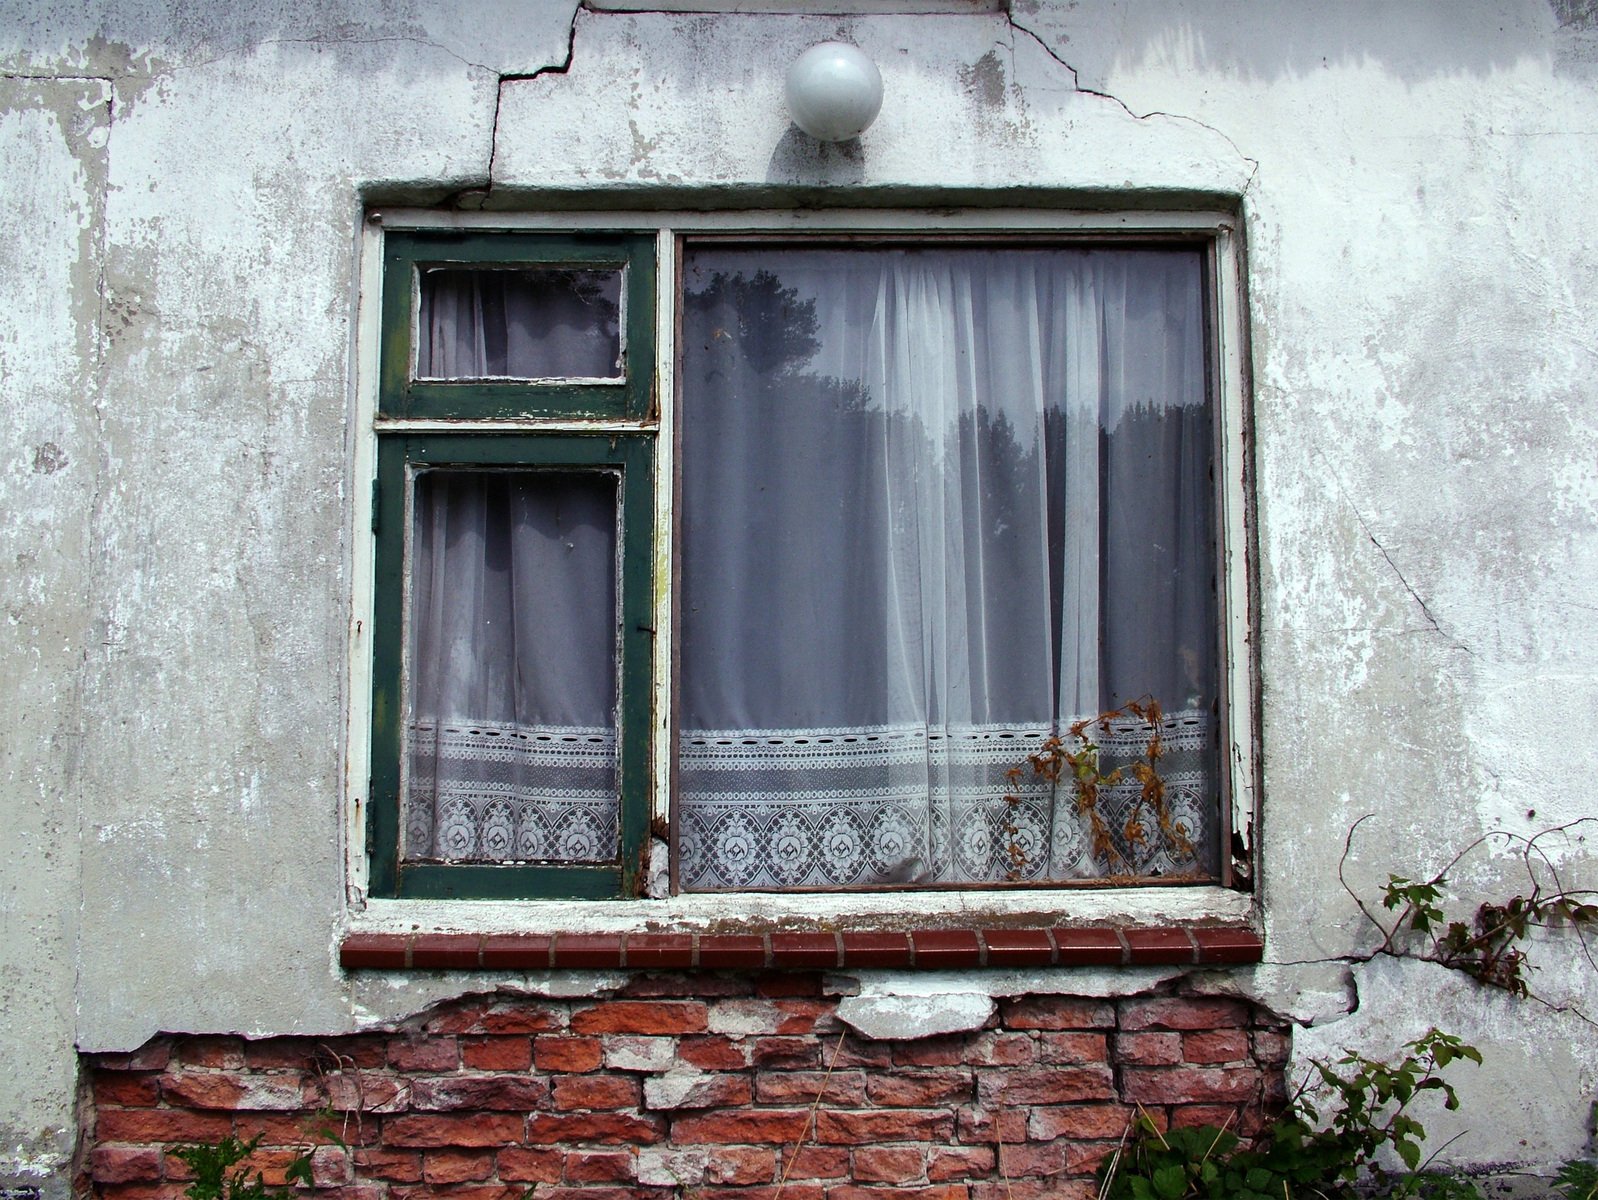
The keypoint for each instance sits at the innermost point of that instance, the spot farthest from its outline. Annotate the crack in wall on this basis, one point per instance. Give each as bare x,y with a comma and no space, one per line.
1076,83
1432,622
465,197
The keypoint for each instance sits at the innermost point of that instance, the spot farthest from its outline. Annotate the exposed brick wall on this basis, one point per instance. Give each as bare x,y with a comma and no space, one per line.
697,1086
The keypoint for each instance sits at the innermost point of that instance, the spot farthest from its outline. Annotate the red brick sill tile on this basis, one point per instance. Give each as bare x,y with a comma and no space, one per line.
938,947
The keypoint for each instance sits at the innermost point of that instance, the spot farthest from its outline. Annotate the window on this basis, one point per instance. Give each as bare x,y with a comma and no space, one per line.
935,500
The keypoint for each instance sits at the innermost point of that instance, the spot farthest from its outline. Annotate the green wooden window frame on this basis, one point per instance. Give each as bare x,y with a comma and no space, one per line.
472,433
405,255
632,457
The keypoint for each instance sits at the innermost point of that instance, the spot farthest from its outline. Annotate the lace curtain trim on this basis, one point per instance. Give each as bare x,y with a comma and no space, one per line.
888,805
500,792
904,805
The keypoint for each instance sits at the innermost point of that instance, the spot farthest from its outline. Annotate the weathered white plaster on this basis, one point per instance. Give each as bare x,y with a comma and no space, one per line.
178,368
923,1016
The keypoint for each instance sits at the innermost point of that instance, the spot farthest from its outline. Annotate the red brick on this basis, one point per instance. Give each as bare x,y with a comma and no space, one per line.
588,951
814,1162
126,1089
1183,1012
742,1164
947,948
1073,1048
355,1092
805,951
331,1167
900,1125
660,951
802,1087
354,1191
1057,1086
125,1164
1272,1049
568,1054
516,952
574,1092
446,951
286,1054
789,1053
788,983
249,1093
139,1191
1189,1085
399,1166
989,1125
466,1191
946,1051
423,1053
1057,1012
1064,1157
641,1016
920,1089
1215,1046
521,1165
160,1125
792,1191
372,951
494,1054
1018,947
1089,947
1035,1189
1082,1122
524,1017
1159,946
699,986
757,1126
476,1129
601,1166
890,1164
946,1191
461,1017
996,1049
713,1053
501,1093
731,952
870,949
604,1127
1186,1116
873,1056
958,1162
1148,1049
222,1053
1228,945
152,1056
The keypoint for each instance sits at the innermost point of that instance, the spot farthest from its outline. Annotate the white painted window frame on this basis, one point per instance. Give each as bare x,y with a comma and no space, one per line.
690,912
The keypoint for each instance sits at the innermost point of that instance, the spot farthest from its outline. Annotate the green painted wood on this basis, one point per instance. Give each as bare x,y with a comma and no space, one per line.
405,253
399,455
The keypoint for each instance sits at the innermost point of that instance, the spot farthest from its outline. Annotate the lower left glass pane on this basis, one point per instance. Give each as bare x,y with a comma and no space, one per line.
511,667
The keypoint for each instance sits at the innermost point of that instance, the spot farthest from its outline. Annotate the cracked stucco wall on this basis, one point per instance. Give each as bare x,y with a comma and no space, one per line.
177,368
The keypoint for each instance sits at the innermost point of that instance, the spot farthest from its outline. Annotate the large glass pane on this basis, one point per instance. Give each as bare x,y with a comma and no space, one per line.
512,667
519,323
937,506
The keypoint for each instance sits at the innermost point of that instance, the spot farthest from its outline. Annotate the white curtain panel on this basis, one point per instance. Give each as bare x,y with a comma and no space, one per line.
937,504
512,667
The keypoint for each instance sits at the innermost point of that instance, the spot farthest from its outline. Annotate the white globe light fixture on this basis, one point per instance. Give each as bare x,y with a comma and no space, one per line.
834,91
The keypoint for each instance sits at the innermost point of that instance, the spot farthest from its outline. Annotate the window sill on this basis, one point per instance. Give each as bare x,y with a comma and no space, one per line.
1150,927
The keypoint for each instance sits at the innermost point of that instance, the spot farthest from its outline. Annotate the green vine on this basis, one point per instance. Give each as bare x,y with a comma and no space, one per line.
1488,944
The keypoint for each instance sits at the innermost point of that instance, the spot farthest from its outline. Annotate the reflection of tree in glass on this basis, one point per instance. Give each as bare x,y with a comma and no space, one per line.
771,325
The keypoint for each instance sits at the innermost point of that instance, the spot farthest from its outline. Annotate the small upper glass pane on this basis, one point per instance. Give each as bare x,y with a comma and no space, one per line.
543,322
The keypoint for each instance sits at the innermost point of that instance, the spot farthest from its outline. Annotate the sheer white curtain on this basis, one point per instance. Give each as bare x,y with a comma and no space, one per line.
936,505
512,667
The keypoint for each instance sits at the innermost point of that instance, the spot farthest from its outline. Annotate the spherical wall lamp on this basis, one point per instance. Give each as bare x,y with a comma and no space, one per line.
834,91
